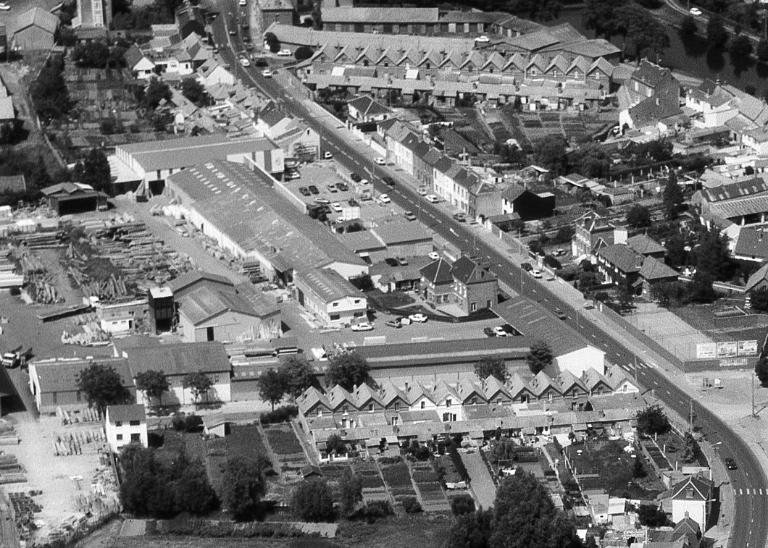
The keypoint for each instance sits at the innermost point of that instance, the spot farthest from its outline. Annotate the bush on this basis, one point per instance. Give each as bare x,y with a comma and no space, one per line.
378,509
302,53
281,414
463,504
411,505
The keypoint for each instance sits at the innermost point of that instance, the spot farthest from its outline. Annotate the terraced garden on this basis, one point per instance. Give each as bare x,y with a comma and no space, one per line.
286,447
397,478
427,484
373,486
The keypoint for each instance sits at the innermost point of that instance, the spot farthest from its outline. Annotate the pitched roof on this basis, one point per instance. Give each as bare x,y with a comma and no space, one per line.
37,17
731,191
132,56
651,74
60,375
752,243
179,358
437,272
367,106
621,256
692,488
13,183
193,278
379,15
126,413
205,303
645,245
760,275
328,284
469,272
401,231
654,269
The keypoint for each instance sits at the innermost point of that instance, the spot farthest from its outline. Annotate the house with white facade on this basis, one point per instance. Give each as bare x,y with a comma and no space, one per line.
213,72
330,297
124,424
693,498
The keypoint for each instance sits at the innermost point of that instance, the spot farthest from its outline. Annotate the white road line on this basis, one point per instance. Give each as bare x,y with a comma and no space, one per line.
741,492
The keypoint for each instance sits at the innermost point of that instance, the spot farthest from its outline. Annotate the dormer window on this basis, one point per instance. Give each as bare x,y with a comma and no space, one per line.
448,402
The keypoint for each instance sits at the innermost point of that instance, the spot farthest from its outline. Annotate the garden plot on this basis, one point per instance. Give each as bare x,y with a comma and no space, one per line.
286,447
373,486
333,474
604,464
397,477
428,486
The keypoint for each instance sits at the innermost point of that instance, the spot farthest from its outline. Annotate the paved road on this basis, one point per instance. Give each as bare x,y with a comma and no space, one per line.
749,526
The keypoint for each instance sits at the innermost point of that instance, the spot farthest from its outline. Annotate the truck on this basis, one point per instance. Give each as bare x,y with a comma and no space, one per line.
15,358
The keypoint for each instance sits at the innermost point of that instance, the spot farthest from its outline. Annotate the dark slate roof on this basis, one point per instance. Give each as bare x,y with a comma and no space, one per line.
645,245
179,359
750,187
368,107
622,257
125,413
760,275
437,272
190,279
692,488
752,243
654,269
651,74
469,272
61,375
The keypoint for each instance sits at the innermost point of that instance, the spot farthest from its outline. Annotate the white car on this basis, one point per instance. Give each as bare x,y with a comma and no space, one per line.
266,73
327,155
284,53
243,2
499,331
433,255
362,326
4,7
422,191
336,206
380,161
536,273
482,39
244,62
695,12
418,318
384,199
364,181
431,198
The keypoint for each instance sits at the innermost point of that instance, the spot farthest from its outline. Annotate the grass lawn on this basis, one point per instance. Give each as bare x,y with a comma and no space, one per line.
397,476
410,530
283,442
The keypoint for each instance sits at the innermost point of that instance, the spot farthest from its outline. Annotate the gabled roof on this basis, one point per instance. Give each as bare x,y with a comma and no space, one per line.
760,275
205,303
541,383
132,56
126,413
622,257
443,391
654,269
591,378
388,393
645,245
415,391
368,107
752,243
651,74
329,284
731,191
193,278
437,272
466,271
179,359
616,375
568,381
60,375
467,389
364,394
493,386
693,488
338,396
310,398
34,17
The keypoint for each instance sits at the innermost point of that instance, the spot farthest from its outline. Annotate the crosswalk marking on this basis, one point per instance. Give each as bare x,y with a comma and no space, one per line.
741,491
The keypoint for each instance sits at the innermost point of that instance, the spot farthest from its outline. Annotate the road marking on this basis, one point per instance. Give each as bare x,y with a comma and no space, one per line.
741,492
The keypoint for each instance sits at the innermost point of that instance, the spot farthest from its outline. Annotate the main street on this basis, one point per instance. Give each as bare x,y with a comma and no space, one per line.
749,526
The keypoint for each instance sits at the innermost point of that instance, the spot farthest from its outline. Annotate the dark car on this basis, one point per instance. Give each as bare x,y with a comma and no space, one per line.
342,186
313,189
460,217
391,261
394,323
526,266
489,332
560,314
304,191
389,180
730,464
355,177
353,203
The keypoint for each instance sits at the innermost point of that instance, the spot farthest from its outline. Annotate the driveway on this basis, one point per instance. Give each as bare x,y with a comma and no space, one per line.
481,481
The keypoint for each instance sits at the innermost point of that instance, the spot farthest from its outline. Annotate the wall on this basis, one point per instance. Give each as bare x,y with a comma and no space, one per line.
230,327
178,395
125,430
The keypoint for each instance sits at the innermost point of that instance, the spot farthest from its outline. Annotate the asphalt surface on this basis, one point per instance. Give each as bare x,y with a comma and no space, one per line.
749,524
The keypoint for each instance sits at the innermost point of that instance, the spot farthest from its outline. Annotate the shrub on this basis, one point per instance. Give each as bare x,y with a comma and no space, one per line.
378,509
281,414
411,505
463,504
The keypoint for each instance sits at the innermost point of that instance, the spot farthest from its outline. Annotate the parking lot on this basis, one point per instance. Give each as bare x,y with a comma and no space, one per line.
325,182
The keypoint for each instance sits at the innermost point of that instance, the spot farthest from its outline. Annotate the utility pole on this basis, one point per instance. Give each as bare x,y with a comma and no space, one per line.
754,413
635,370
690,415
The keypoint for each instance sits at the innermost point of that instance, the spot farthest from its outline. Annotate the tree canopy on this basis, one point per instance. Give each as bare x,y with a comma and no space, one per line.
49,91
243,486
102,386
299,375
712,255
488,367
351,491
652,420
194,91
272,386
347,369
94,170
153,383
639,216
156,91
717,36
550,152
198,383
761,370
642,33
313,501
539,356
672,196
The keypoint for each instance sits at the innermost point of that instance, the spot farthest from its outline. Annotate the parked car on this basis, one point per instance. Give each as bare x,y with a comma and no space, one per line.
526,266
304,191
313,189
323,201
482,39
560,314
380,161
4,7
332,188
410,215
284,53
695,12
327,155
402,261
433,255
388,180
384,199
391,261
489,332
418,318
353,203
364,181
266,73
243,2
336,206
362,326
498,331
422,191
730,464
394,323
355,177
536,273
292,174
342,186
460,217
431,198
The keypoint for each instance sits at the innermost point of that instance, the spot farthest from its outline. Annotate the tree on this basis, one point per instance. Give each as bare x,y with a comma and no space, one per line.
587,281
156,91
334,444
49,91
762,50
272,386
564,234
639,216
351,491
600,16
692,451
593,161
243,486
642,33
539,356
761,370
717,36
712,255
652,421
677,256
298,374
347,369
701,290
638,468
550,152
759,299
652,516
272,42
302,53
193,492
741,48
688,28
313,501
488,367
198,382
93,170
102,386
673,196
94,54
525,517
194,91
463,504
471,530
153,383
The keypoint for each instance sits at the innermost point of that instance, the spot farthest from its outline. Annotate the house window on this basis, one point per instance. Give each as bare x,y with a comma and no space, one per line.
498,401
488,303
134,423
319,412
119,437
345,409
357,301
334,317
397,405
448,402
335,304
472,307
209,334
370,408
135,437
118,423
395,420
423,405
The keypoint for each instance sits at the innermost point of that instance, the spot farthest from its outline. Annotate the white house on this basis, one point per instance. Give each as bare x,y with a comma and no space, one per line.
331,297
579,361
692,498
125,424
757,140
140,65
212,72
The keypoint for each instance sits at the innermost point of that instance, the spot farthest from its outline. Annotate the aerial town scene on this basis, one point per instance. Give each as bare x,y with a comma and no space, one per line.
383,273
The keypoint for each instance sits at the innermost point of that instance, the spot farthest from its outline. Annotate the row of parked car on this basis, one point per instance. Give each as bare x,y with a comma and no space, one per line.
397,323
